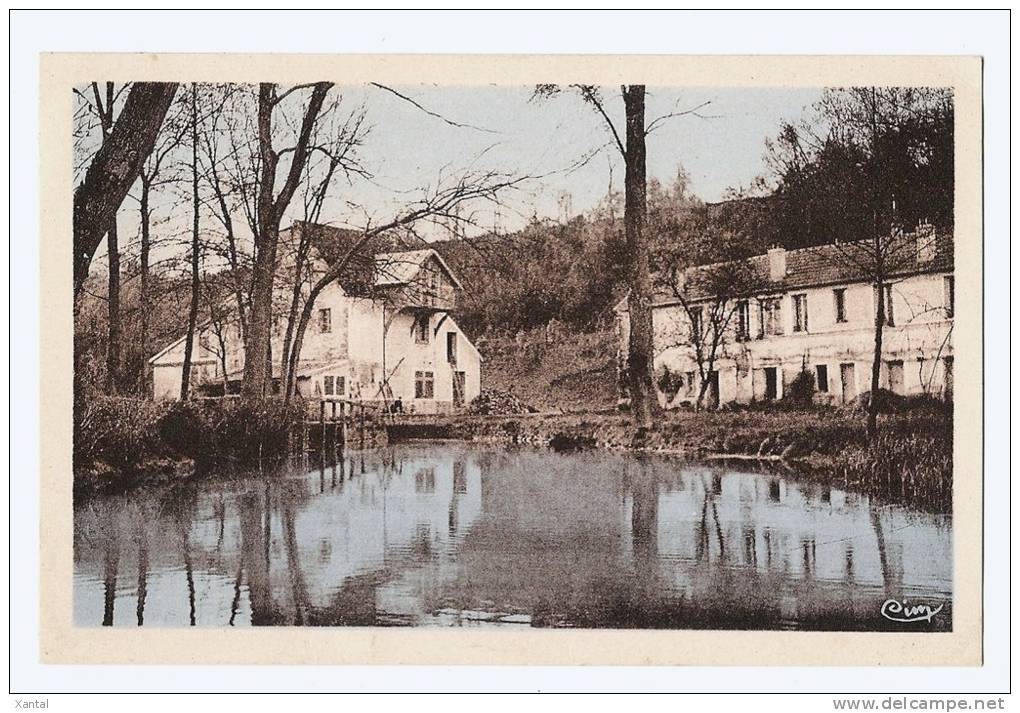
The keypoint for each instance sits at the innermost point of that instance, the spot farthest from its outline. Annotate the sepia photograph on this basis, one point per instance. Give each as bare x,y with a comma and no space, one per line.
389,355
560,355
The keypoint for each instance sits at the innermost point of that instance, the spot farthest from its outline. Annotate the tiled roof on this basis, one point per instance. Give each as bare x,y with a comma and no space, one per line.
824,265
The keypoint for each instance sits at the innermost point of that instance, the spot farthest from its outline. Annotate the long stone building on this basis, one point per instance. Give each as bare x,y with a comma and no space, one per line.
809,310
383,332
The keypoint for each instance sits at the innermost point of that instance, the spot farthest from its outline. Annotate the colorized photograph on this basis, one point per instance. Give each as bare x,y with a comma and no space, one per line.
546,355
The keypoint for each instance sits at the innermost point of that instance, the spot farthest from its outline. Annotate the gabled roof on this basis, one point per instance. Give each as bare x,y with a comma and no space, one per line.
401,268
375,264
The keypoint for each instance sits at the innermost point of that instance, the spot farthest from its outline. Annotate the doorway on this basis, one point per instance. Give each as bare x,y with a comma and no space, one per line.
771,383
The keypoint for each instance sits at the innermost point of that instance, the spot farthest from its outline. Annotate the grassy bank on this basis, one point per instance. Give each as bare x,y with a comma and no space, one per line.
554,368
911,460
120,441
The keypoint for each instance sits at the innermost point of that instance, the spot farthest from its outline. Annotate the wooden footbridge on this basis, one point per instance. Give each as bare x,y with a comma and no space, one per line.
338,423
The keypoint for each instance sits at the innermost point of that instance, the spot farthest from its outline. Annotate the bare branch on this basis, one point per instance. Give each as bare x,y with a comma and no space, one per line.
431,113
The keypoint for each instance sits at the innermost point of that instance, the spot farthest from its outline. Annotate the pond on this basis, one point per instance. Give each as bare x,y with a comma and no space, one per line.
458,534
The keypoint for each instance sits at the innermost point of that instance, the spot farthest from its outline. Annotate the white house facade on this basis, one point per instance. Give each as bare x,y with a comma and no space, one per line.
812,312
392,340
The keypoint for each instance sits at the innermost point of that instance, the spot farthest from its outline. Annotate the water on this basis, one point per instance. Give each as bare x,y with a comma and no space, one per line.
464,535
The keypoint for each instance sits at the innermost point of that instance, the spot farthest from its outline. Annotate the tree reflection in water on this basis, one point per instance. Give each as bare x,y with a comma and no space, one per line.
468,535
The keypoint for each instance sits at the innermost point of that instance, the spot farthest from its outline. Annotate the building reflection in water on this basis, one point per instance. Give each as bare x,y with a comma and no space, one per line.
454,534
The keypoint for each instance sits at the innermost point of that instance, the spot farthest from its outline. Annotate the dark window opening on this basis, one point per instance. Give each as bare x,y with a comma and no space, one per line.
800,314
451,347
325,320
743,321
839,301
822,378
424,385
421,329
771,383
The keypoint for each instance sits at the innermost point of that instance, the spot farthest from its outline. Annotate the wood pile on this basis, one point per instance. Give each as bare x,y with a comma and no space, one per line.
498,403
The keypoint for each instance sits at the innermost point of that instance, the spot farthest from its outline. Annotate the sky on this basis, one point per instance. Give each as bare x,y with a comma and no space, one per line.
505,129
721,148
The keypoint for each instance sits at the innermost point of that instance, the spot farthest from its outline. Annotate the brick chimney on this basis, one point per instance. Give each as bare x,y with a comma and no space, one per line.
777,263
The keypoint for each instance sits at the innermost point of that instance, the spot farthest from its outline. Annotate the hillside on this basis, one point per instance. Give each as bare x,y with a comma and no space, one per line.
554,368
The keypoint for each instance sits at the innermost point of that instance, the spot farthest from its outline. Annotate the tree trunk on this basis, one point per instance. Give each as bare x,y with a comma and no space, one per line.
143,385
189,340
299,339
876,363
257,371
115,168
643,401
295,304
113,312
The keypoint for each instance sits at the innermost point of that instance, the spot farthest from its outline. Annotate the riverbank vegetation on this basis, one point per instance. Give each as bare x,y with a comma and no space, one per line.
911,461
118,438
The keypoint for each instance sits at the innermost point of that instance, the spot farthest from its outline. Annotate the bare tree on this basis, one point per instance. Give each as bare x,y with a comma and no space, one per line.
711,297
643,401
189,339
105,111
114,169
227,190
334,144
880,261
152,176
270,209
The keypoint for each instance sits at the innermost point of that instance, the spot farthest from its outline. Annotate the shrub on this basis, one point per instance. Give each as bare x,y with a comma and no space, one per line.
120,432
802,389
235,428
668,381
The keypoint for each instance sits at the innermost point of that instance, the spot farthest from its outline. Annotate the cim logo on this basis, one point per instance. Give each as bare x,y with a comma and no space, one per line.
905,613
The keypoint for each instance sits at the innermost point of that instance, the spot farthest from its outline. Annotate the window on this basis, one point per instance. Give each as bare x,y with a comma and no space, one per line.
800,319
743,320
421,329
839,302
822,378
695,315
423,385
325,320
950,294
890,316
332,385
771,322
451,347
